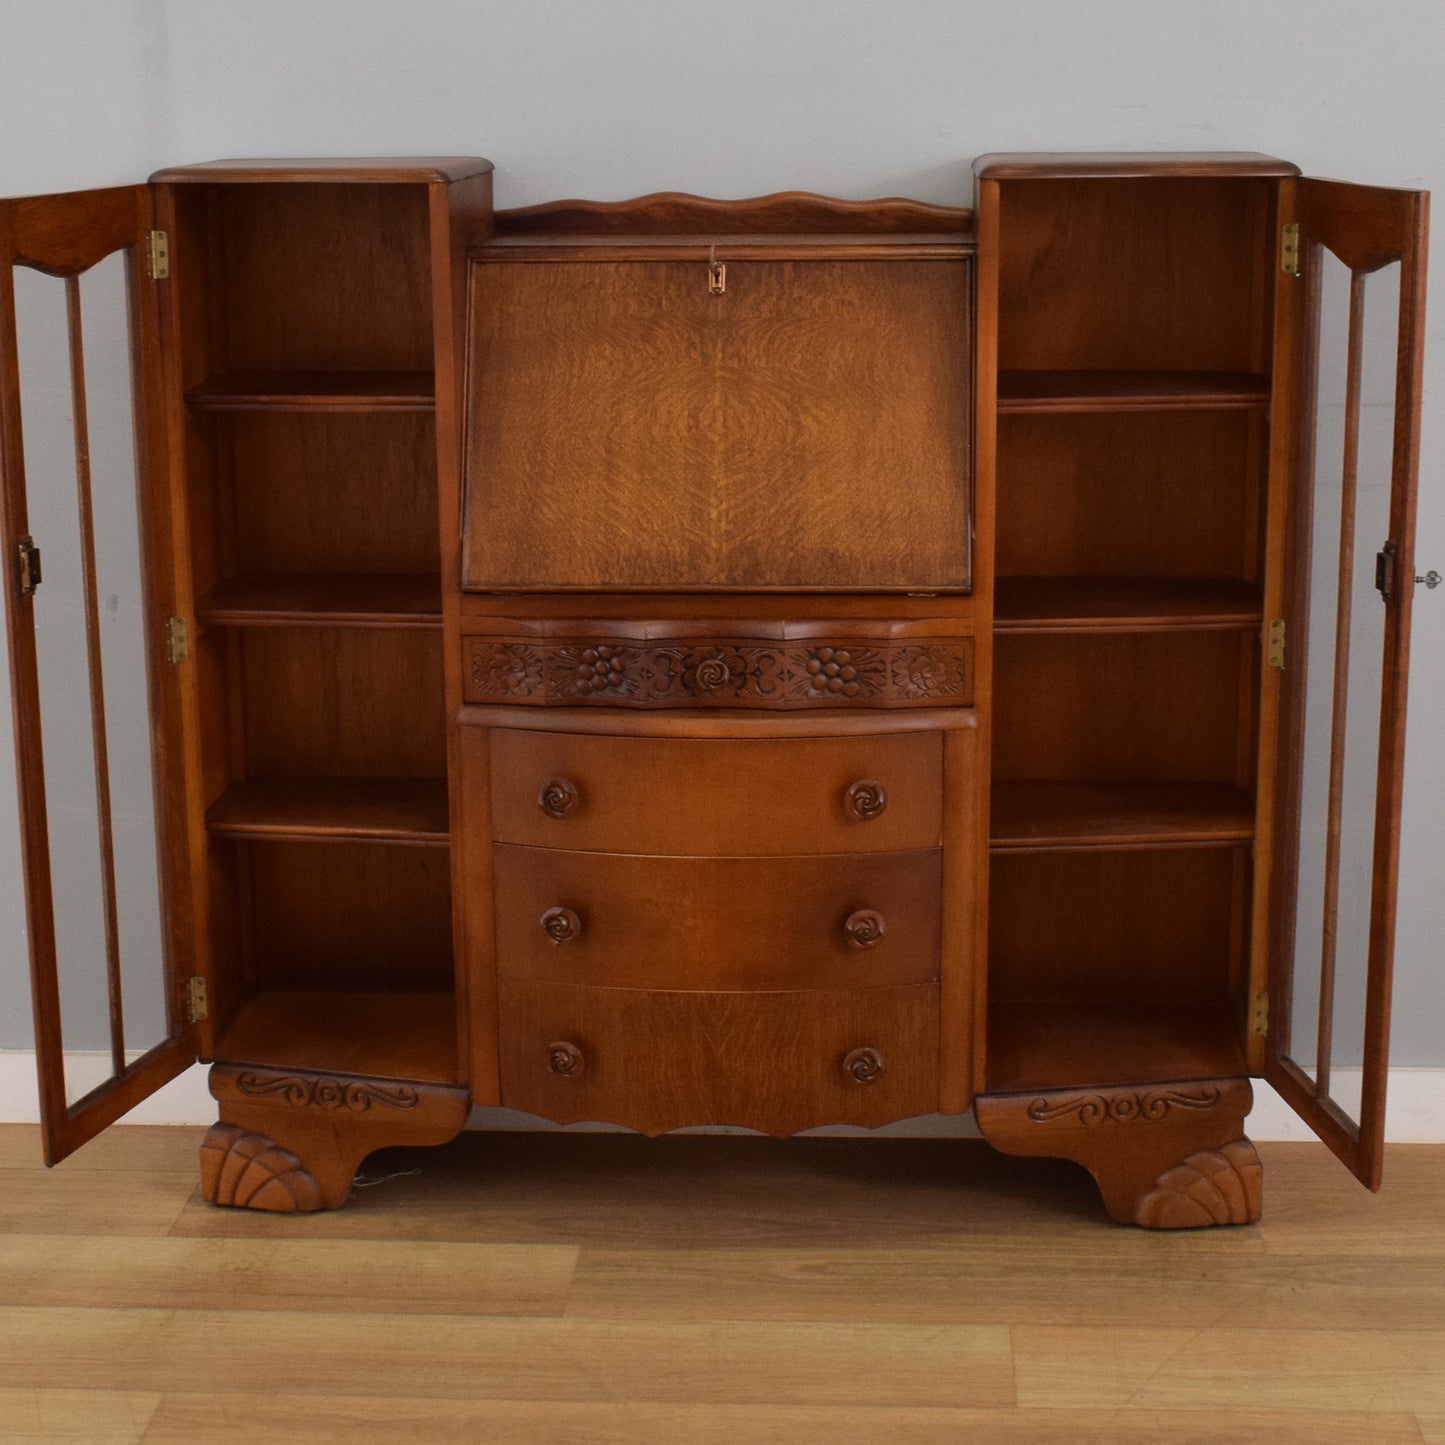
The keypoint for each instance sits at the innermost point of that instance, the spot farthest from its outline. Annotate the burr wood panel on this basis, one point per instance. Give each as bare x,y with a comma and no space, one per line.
805,427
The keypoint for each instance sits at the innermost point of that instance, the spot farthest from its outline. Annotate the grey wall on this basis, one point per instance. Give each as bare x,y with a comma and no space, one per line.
853,97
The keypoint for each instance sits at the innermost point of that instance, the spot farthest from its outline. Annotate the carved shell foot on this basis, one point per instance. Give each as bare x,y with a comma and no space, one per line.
250,1172
1215,1186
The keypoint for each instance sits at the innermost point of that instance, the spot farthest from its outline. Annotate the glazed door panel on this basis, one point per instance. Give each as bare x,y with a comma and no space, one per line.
1348,589
88,586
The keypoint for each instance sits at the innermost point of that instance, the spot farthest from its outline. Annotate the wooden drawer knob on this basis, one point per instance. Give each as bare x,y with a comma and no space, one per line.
864,928
863,1066
558,797
561,925
565,1059
867,798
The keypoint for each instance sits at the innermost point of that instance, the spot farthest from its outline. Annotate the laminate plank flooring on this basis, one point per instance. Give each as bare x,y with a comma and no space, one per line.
84,1417
541,1288
243,1420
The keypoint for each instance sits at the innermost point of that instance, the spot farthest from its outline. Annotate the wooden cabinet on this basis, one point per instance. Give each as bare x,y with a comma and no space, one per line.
771,663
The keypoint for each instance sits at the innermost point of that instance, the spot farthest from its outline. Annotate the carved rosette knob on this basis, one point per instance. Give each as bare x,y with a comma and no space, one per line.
867,798
565,1060
864,928
558,797
561,925
863,1066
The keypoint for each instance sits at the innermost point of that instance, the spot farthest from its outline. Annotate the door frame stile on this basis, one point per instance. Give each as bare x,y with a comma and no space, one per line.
1364,226
63,236
25,712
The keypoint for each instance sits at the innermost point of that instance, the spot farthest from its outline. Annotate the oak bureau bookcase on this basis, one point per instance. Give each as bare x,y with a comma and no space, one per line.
773,663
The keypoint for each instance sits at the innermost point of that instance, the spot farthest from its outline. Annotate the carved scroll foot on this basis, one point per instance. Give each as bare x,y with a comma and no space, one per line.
1165,1156
290,1142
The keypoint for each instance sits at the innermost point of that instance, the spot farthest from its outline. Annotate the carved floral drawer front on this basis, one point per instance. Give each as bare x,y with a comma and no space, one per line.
721,672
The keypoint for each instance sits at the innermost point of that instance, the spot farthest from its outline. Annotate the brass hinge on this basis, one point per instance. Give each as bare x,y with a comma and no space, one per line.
197,1004
1259,1015
1274,643
178,643
158,255
1289,249
29,566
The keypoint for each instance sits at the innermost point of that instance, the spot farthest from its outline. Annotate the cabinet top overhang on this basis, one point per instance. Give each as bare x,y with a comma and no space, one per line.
358,170
1105,165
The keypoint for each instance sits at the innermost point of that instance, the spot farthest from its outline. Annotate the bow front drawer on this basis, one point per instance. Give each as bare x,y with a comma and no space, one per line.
874,792
627,921
779,1062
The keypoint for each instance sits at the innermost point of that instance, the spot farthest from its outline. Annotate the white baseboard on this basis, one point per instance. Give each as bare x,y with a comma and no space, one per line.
1415,1115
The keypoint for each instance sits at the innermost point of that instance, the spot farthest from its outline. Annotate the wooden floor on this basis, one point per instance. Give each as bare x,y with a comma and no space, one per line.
587,1290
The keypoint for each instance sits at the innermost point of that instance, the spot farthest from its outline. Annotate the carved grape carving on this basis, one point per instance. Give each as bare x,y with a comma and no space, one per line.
561,925
564,1059
863,1066
867,798
841,671
864,928
558,797
737,672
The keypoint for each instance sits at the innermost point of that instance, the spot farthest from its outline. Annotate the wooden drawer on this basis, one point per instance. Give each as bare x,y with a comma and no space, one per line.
779,1062
875,792
629,921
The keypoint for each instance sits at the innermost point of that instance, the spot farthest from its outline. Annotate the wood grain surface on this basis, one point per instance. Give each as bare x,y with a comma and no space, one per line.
656,1061
1125,604
1121,707
1156,275
784,213
718,923
758,797
1118,815
348,915
808,428
1157,494
391,1034
394,810
919,1264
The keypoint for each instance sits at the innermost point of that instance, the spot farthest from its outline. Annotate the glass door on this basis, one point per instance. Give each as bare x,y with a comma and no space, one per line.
88,589
1349,576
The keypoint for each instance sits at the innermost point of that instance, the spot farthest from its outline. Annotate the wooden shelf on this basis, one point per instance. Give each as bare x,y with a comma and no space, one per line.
390,1035
379,810
1057,816
1064,391
363,391
372,599
1124,604
1063,1043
